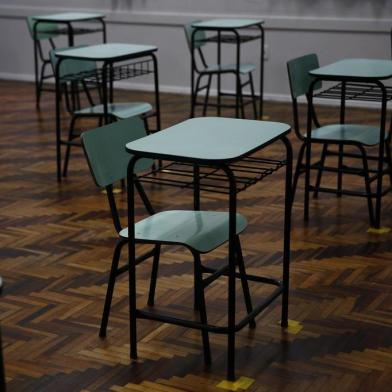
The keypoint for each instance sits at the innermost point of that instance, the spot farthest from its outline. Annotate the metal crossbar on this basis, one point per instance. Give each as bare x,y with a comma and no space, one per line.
124,71
355,91
248,171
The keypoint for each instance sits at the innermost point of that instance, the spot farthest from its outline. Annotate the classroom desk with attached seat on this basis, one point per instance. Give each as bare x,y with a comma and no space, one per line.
229,31
67,19
209,145
143,61
364,80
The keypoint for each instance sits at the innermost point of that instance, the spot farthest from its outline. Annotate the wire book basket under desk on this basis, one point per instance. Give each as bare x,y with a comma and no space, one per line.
248,171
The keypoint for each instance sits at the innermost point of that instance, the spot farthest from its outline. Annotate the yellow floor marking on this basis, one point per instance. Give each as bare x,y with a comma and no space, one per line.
115,191
242,383
294,327
381,230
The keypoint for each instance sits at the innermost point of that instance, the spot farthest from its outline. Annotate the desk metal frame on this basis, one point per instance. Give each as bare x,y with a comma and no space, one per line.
70,31
106,76
229,270
232,36
362,88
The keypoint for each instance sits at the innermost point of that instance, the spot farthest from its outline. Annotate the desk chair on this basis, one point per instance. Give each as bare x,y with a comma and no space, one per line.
214,69
199,231
82,69
45,32
358,136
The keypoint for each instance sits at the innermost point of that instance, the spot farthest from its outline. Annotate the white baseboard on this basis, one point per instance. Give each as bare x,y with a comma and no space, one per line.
124,85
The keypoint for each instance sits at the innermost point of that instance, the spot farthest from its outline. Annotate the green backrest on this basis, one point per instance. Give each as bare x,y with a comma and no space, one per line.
45,30
71,66
105,150
200,35
299,78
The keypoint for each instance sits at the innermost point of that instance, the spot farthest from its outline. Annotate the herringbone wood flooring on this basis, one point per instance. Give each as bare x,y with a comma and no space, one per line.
56,245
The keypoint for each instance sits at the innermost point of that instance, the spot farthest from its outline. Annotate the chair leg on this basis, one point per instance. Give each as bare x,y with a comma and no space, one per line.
67,99
308,146
320,171
68,150
241,98
389,160
154,274
144,197
194,97
252,91
41,81
298,168
207,95
340,172
367,185
202,308
109,292
244,282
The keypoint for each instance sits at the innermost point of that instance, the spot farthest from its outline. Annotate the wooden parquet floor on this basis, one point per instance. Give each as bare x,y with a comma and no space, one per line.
56,246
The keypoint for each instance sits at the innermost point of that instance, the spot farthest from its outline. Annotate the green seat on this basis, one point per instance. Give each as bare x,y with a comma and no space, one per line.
202,68
355,135
117,111
45,31
199,231
348,133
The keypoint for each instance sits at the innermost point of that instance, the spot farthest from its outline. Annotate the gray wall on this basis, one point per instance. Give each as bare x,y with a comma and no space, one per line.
332,28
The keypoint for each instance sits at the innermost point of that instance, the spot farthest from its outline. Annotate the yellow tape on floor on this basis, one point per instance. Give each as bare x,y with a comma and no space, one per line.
115,191
381,230
242,383
293,326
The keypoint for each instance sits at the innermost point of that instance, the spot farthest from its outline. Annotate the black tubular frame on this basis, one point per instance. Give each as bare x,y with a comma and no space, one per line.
234,256
115,270
70,31
345,87
230,36
105,77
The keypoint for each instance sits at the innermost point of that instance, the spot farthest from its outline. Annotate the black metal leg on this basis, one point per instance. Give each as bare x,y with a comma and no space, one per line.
144,197
58,121
194,98
132,259
154,274
109,291
287,233
307,178
389,160
320,170
340,170
244,282
207,95
196,289
202,308
241,98
252,91
367,185
298,168
68,150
